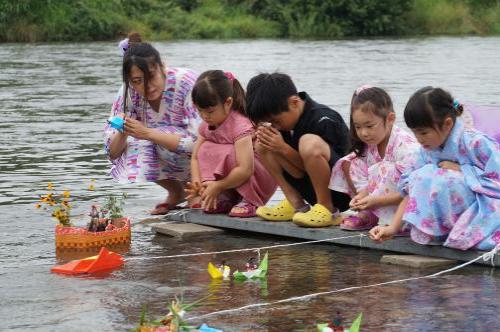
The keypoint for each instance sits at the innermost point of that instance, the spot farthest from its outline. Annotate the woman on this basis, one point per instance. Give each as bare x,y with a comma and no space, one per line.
160,124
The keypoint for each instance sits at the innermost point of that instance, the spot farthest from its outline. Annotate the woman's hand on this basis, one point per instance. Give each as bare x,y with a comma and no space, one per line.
210,191
449,165
136,129
382,233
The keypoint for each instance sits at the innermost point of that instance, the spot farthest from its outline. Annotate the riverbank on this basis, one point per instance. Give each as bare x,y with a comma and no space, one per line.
90,20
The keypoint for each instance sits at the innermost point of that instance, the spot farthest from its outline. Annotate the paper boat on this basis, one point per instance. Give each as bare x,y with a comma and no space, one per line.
106,260
355,327
206,328
258,273
215,273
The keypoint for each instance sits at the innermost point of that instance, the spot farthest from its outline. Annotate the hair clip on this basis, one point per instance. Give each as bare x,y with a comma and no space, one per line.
229,75
456,104
123,46
362,88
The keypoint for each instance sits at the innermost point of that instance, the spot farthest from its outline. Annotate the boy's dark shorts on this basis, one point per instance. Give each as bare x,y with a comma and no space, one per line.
306,189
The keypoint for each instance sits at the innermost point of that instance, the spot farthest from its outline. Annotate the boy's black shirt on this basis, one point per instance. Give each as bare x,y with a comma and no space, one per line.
323,121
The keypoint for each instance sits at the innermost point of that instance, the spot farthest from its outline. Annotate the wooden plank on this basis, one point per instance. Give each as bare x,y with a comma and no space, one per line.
184,230
417,261
288,229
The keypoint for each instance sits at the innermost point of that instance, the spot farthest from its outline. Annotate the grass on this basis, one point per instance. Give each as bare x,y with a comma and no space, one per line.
84,20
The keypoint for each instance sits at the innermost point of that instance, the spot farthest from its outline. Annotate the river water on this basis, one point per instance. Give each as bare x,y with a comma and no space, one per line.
54,100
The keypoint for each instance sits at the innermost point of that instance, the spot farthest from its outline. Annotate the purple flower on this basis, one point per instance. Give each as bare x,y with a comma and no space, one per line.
492,175
496,237
411,207
428,223
456,199
123,46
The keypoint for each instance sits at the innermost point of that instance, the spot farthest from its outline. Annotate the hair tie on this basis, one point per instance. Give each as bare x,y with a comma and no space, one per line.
456,104
362,88
229,75
123,46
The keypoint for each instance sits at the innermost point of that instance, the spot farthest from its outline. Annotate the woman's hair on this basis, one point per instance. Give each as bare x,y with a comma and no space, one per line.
141,55
134,38
429,107
368,99
213,87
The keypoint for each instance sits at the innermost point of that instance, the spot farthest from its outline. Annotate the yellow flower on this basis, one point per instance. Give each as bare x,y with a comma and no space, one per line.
91,186
66,194
50,186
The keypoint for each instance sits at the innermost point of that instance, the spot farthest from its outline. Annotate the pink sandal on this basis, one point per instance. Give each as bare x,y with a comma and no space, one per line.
364,220
223,207
248,210
163,208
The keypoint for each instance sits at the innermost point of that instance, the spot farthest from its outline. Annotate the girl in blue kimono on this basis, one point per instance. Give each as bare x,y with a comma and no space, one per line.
452,195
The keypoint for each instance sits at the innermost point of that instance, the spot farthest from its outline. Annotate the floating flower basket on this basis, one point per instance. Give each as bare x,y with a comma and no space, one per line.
81,238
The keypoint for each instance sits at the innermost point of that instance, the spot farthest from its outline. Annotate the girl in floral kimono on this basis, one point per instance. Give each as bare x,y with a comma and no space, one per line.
453,194
381,153
160,124
226,172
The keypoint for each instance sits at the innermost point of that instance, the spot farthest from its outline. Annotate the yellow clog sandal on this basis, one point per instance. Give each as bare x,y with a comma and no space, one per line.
283,211
317,216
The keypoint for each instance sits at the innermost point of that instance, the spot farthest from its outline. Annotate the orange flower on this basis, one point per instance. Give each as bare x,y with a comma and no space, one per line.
50,186
38,205
66,194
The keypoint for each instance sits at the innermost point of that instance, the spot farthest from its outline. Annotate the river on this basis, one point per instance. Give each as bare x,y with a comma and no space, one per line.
55,99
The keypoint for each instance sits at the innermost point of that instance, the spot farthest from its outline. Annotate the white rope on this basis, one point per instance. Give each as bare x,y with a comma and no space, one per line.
486,256
491,255
245,249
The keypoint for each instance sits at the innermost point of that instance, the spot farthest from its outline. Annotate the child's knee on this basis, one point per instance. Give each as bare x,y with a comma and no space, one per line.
313,146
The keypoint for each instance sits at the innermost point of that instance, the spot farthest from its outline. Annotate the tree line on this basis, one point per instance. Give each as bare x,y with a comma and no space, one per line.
87,20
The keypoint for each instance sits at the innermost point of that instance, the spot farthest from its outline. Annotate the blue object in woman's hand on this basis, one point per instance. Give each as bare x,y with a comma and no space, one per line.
117,123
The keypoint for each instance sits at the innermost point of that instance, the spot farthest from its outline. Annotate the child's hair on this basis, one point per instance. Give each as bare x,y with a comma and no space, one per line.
429,107
368,99
267,94
213,87
141,55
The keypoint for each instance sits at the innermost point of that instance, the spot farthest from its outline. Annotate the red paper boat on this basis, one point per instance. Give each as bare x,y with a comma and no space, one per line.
106,260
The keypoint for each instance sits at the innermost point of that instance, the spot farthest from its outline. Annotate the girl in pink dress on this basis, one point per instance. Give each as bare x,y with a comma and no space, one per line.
381,153
225,172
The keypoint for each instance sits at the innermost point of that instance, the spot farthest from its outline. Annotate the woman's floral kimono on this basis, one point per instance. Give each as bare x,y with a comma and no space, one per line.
143,160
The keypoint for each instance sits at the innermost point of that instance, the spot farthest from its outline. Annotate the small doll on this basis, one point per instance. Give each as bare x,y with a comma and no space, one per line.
251,264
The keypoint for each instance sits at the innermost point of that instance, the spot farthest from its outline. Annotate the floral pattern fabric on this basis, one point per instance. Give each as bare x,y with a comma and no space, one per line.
461,209
144,161
377,175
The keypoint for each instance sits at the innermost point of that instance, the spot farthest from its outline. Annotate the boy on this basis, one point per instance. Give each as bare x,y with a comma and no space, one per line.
299,148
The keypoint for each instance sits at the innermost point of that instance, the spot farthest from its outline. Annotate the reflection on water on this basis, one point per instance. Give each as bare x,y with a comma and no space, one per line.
55,99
